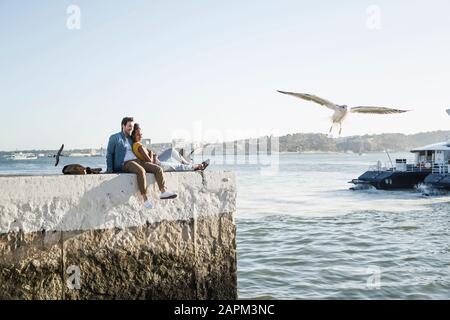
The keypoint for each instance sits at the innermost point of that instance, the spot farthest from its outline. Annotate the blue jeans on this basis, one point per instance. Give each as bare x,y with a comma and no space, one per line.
171,160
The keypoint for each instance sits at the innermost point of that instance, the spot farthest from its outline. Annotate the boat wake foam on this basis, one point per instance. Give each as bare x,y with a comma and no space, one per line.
363,186
429,191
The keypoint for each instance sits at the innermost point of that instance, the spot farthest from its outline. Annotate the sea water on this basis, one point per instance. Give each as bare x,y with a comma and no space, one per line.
301,233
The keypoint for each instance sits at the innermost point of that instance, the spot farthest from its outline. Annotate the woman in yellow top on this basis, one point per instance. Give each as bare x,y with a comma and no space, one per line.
148,155
142,153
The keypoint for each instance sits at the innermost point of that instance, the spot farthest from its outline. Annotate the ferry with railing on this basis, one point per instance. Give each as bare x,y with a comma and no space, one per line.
431,166
440,176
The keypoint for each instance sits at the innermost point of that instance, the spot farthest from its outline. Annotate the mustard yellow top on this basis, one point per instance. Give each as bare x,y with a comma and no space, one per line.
135,148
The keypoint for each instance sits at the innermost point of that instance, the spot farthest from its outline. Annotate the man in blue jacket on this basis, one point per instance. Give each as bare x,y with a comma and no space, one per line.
120,158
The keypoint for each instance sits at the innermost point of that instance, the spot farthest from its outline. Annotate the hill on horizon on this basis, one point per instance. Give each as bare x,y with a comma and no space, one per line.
307,142
301,142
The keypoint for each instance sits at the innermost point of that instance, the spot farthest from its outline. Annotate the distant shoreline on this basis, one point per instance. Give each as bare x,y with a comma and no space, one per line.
310,143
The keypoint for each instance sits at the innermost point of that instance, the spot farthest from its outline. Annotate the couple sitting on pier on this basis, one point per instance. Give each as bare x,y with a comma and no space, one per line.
126,153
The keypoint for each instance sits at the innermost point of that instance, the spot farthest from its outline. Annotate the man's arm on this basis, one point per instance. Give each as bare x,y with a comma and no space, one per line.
110,155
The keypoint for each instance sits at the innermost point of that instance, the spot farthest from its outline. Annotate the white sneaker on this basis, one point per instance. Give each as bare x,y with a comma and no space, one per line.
168,195
148,204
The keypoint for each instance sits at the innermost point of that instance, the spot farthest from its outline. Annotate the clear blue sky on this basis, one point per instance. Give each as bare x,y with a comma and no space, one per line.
172,64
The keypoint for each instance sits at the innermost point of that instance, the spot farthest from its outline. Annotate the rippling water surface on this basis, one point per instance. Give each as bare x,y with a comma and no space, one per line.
303,234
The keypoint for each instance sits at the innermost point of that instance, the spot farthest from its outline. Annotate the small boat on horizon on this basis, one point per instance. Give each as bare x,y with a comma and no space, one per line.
91,153
22,156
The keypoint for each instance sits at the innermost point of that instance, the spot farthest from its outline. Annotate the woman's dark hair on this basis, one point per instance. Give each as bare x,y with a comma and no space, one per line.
135,129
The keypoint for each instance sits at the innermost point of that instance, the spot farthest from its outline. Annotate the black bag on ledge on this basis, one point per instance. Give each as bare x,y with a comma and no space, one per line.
79,169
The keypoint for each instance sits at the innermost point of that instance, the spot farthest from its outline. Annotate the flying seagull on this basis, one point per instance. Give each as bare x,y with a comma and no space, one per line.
58,155
341,111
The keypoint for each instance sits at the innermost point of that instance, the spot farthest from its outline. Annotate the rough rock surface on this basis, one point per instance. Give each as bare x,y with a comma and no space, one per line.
88,237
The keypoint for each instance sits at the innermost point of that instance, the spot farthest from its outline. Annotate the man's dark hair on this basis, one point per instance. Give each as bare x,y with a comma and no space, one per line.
126,120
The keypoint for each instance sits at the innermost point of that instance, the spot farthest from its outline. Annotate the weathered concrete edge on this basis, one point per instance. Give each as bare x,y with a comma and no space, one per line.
68,203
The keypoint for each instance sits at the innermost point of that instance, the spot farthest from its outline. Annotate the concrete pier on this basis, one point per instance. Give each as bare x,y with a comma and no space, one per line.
89,237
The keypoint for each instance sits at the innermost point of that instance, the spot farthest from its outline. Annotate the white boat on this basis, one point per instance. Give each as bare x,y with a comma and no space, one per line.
23,156
79,154
92,153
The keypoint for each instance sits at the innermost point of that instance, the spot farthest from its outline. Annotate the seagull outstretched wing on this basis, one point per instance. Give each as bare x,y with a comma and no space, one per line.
376,110
313,98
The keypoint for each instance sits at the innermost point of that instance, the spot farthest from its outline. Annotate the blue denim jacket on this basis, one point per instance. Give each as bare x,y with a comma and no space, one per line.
116,152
